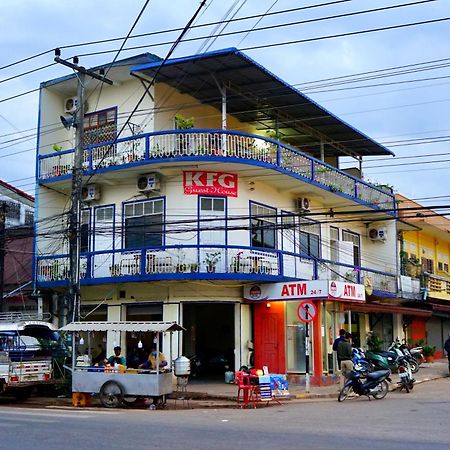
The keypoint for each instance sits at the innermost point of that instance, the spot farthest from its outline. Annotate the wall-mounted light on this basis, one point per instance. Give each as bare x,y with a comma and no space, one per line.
268,305
81,341
140,344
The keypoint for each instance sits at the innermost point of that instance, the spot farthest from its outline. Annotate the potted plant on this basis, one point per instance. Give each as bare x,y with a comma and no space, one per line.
193,267
374,343
211,259
428,352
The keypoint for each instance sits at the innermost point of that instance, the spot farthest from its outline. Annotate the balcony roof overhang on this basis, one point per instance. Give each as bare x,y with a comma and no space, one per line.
257,96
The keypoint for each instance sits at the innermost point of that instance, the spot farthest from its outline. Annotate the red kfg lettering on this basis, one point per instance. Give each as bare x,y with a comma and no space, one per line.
202,182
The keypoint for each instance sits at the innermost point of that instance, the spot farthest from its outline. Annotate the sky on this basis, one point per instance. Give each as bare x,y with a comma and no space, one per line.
396,111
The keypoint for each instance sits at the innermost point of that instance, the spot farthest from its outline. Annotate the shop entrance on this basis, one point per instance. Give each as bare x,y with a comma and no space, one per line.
209,337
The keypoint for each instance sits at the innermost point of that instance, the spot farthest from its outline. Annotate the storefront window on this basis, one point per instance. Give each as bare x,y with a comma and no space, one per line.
295,346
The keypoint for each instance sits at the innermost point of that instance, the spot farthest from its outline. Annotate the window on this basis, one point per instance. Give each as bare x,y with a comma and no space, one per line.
427,265
263,226
309,237
144,223
29,217
355,238
334,244
85,230
100,126
12,209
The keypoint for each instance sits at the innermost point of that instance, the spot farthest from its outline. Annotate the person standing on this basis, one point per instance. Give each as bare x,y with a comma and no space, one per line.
447,349
341,337
345,355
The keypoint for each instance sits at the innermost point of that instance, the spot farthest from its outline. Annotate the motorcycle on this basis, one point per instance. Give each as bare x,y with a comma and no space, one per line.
403,350
405,373
360,362
417,354
370,384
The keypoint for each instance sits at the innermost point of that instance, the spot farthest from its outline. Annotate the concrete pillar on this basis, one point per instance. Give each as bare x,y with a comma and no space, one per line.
245,335
114,315
317,344
171,313
397,326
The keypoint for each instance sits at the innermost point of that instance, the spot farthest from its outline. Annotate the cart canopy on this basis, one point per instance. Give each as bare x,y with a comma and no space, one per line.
153,327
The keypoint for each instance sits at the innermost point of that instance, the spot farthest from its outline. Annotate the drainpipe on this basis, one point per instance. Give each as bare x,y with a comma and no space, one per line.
223,91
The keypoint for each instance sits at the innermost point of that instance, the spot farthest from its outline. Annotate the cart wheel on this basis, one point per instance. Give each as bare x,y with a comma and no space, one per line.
111,394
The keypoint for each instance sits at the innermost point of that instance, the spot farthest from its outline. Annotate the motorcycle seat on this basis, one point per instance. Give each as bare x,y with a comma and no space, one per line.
377,374
388,354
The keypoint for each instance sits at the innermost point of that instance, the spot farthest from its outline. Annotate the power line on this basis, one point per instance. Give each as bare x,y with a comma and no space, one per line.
103,41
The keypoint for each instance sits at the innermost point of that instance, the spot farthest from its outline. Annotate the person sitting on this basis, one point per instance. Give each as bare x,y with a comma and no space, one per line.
117,358
100,357
152,358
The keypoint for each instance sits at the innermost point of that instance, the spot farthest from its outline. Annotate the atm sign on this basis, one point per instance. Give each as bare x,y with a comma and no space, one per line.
212,183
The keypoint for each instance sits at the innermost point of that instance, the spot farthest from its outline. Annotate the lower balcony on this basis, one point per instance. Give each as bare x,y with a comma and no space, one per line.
437,286
205,262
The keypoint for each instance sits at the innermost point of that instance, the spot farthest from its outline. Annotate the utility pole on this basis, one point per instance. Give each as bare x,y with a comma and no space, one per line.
2,253
73,311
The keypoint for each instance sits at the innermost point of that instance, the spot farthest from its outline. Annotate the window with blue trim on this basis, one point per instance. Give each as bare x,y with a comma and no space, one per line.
144,223
263,226
85,230
309,237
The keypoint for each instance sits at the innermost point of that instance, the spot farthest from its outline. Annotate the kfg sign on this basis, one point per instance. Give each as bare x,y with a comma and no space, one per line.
213,183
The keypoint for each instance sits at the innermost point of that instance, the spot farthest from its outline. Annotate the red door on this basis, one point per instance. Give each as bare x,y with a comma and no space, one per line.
269,336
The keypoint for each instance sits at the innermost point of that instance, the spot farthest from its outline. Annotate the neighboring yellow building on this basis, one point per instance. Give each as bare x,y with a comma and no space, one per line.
425,254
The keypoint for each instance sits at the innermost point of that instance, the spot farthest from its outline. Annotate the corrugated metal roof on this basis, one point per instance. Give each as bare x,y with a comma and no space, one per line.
20,326
153,327
257,96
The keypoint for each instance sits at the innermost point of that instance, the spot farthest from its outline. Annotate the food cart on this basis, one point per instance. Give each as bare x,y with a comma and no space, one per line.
117,385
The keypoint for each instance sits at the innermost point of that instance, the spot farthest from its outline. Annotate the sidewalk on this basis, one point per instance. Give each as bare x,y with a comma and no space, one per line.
199,390
218,394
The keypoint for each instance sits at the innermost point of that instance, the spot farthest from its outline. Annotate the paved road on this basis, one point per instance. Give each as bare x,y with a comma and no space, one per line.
400,421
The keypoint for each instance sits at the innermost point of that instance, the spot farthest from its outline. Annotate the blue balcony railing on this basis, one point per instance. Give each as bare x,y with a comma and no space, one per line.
230,145
205,262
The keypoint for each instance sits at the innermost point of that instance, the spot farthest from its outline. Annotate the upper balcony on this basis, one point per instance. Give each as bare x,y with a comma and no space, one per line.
215,145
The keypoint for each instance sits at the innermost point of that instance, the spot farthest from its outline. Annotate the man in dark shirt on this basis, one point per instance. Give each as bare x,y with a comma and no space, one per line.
447,349
345,354
336,343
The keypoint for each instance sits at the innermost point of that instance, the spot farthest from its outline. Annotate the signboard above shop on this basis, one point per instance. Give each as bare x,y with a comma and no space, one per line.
302,290
210,183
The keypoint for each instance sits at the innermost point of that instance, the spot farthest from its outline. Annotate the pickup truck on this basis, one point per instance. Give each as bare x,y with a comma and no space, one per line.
25,357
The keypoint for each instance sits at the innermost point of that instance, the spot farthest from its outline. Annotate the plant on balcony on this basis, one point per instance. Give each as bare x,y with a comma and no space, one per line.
236,263
211,260
183,123
193,267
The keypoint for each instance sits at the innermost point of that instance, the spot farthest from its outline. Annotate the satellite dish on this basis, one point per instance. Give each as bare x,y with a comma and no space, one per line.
68,122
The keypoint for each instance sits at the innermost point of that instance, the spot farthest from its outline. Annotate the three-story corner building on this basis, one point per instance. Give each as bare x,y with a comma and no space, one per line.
225,183
425,262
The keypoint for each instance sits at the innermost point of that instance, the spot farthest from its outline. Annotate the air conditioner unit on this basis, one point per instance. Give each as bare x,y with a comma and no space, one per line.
302,204
90,193
377,233
148,183
70,105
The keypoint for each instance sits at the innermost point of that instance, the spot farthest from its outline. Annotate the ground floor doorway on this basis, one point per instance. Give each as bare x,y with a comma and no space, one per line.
209,337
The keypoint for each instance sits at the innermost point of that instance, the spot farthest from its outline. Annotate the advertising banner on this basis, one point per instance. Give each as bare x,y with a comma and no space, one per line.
302,290
210,183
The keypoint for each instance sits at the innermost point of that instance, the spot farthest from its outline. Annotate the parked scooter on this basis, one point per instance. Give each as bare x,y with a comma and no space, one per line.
403,350
360,362
371,384
405,373
417,354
